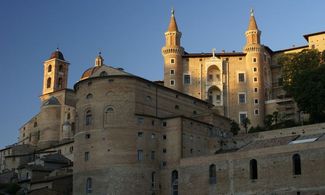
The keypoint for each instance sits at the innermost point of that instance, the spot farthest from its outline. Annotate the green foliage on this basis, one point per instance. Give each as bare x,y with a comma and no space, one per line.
256,129
10,188
268,120
234,127
304,79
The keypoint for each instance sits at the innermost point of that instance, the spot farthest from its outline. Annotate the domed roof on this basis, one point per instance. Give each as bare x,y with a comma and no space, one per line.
51,101
57,55
89,72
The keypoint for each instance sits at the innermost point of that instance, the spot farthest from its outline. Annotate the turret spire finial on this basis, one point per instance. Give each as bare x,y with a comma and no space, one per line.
252,12
173,11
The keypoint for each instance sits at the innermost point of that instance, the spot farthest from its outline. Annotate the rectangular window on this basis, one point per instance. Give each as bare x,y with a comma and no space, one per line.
164,150
140,134
164,137
210,77
255,101
255,79
140,155
164,124
140,120
172,61
242,117
254,69
172,82
256,112
153,155
218,97
172,71
86,156
242,98
241,77
255,90
187,79
254,60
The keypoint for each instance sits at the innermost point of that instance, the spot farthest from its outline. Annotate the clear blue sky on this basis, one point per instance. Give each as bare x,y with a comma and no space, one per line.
130,35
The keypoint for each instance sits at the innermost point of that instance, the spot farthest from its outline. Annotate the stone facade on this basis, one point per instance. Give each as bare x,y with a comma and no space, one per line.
239,84
128,135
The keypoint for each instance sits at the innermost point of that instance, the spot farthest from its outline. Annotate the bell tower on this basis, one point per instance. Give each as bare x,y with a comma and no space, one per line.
55,73
172,53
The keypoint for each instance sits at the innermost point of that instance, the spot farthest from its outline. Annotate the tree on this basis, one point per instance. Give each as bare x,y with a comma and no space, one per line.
245,123
303,78
234,127
268,120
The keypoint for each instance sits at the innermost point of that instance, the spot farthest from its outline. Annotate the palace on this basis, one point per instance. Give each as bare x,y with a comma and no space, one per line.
239,84
117,133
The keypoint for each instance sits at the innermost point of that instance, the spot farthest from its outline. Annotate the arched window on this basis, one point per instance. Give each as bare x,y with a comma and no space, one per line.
253,169
174,182
60,68
88,117
296,163
89,185
60,83
153,180
48,82
212,174
103,74
49,68
108,114
89,96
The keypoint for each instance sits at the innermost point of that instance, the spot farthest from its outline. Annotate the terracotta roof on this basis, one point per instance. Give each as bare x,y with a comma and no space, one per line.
252,22
172,24
216,54
292,48
89,72
57,55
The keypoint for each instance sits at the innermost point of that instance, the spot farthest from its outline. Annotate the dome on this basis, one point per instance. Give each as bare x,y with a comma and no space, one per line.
89,72
52,101
57,55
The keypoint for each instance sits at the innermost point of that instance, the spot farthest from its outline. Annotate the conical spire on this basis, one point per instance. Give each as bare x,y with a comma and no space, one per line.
172,24
252,22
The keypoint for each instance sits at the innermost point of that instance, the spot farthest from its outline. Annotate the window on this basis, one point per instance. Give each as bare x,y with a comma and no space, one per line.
60,68
89,96
174,182
210,77
153,180
255,79
89,185
242,117
153,155
68,116
164,124
164,150
296,163
140,155
256,112
140,120
212,174
86,156
187,79
191,150
255,89
60,83
87,136
240,58
253,169
254,60
164,137
88,118
38,135
140,134
48,83
103,73
35,124
49,68
71,149
172,82
241,77
176,107
255,101
254,69
153,136
172,71
242,98
172,61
